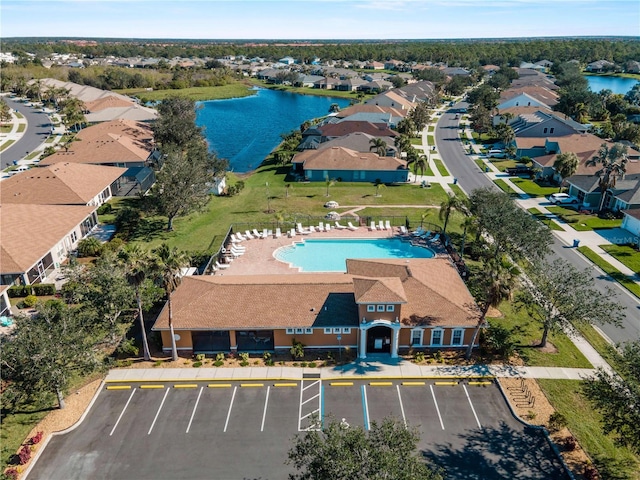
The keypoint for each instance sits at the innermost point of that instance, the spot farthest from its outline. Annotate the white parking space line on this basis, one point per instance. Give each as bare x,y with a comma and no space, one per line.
404,419
264,413
311,384
226,423
158,412
471,405
122,412
307,408
194,410
311,398
433,394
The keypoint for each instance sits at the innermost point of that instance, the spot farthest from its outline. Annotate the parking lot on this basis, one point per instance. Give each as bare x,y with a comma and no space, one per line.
243,430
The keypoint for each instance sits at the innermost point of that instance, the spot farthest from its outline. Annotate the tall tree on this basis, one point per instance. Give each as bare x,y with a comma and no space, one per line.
343,452
379,146
170,262
5,111
73,112
493,284
566,165
617,396
560,295
185,179
447,207
419,162
44,352
614,165
176,123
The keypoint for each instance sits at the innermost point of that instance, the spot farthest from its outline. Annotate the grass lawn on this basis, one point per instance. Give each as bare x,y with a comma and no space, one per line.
22,127
16,427
502,165
612,461
502,185
484,138
457,190
19,115
583,222
5,128
233,90
431,128
50,139
625,254
7,144
204,231
543,218
481,164
527,333
428,171
441,168
416,141
532,188
625,281
32,155
431,140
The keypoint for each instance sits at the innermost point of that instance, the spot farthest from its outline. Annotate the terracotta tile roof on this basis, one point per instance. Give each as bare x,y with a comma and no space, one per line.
358,141
59,184
29,232
262,301
540,93
402,101
378,290
110,101
367,108
340,158
344,128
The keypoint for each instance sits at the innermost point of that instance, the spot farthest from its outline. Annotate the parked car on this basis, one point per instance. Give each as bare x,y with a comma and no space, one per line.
562,198
519,170
494,153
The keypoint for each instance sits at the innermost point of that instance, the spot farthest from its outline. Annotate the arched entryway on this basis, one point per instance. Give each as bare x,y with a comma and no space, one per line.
379,339
379,336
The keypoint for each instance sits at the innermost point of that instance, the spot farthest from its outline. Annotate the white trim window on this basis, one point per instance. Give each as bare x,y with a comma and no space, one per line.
290,331
328,331
416,336
456,336
336,330
390,308
381,308
346,330
371,308
436,337
299,331
308,331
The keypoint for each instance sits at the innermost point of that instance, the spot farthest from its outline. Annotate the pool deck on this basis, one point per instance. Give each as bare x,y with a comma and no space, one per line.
259,260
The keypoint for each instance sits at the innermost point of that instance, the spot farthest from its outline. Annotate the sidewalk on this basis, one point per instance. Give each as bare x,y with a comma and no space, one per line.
358,370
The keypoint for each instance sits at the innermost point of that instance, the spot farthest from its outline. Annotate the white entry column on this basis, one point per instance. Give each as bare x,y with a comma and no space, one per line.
362,350
395,340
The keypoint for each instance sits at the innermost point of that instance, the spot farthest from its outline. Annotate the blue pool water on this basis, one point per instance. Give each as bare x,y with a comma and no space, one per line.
329,255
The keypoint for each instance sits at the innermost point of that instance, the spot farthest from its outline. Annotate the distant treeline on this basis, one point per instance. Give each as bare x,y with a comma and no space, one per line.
468,53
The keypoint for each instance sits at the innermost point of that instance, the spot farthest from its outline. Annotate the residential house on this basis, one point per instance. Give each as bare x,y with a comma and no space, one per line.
374,66
375,86
532,66
36,239
392,98
393,64
348,165
541,95
632,66
326,83
600,66
545,124
490,69
359,142
376,307
330,131
453,71
375,118
5,303
368,108
631,222
350,84
287,61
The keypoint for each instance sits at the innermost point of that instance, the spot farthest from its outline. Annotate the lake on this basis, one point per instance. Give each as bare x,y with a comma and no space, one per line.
615,84
245,130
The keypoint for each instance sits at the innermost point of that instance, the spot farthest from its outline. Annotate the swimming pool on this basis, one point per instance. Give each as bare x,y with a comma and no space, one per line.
329,255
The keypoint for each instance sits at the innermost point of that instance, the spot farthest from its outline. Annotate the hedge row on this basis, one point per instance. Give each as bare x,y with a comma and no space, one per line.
39,289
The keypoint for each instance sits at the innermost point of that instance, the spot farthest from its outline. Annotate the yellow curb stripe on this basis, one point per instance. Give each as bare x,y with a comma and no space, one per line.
380,384
413,384
341,384
446,383
285,384
151,386
219,385
480,383
252,384
186,385
119,387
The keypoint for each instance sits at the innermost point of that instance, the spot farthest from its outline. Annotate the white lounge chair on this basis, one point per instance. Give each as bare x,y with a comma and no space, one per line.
321,227
417,232
312,229
387,225
302,231
222,266
351,227
327,228
247,234
292,233
238,248
403,230
256,233
235,239
381,225
372,227
266,233
340,227
278,233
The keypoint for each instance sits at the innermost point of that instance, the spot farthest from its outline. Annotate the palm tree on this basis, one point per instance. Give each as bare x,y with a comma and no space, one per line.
614,165
419,162
379,184
169,263
379,146
137,263
73,112
566,165
329,182
402,143
447,207
498,280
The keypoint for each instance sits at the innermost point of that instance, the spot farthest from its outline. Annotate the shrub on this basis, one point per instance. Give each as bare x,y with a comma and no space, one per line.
113,245
557,421
200,357
244,356
89,247
37,438
297,349
268,361
19,291
128,347
244,363
24,455
30,301
124,363
11,474
218,363
312,365
590,473
197,364
41,289
157,363
104,209
419,357
570,444
220,357
531,415
303,364
499,340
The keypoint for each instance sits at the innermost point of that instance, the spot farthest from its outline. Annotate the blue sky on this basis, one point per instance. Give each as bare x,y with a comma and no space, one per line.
318,19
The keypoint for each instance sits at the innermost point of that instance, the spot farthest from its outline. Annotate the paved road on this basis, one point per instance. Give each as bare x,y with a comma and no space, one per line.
471,177
38,128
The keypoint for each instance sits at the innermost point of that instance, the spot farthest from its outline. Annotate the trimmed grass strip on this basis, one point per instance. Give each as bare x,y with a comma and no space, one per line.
625,254
610,270
502,185
7,144
22,127
543,218
441,168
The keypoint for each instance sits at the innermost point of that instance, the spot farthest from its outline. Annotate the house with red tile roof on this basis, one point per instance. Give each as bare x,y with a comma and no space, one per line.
376,307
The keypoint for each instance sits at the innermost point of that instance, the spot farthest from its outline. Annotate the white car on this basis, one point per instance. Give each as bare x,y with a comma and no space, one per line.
496,154
560,198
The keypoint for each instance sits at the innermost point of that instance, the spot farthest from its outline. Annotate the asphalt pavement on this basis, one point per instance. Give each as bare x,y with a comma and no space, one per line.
37,131
469,177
